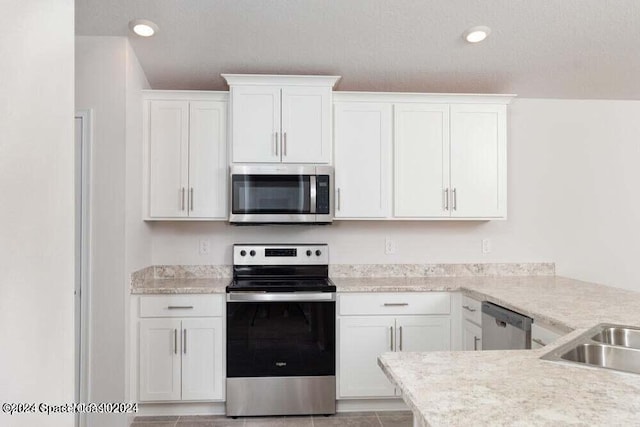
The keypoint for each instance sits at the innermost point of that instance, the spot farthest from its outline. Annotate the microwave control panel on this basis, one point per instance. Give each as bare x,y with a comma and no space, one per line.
322,194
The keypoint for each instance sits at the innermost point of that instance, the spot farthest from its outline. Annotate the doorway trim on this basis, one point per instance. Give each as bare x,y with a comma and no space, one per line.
83,260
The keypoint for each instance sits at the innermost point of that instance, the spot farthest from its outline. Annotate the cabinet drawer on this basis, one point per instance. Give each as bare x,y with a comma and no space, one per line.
471,310
181,305
394,303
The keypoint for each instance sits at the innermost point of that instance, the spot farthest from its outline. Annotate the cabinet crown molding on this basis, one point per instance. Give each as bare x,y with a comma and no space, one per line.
280,80
436,98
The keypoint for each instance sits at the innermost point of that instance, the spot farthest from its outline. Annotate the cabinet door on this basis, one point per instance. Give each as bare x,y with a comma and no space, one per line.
362,340
306,124
471,336
208,159
202,369
168,158
421,333
255,128
159,359
421,142
478,160
363,160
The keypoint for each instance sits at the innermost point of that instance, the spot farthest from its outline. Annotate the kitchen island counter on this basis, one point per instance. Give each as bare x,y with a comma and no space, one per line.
515,387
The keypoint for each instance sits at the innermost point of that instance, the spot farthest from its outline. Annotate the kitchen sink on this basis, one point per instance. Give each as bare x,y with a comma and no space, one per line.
621,336
606,346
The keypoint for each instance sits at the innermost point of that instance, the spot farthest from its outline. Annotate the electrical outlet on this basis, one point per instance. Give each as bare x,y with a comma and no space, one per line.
486,246
390,246
205,247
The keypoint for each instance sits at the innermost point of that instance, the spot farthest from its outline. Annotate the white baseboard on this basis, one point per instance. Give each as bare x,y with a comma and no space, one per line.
365,405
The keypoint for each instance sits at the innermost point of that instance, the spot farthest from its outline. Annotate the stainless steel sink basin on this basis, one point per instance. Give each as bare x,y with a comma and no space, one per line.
625,337
605,356
606,346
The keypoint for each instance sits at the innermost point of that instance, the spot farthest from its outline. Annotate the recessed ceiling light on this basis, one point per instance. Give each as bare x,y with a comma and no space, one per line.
143,27
476,34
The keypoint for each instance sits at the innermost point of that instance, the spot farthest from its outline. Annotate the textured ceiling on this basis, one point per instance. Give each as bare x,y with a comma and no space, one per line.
538,48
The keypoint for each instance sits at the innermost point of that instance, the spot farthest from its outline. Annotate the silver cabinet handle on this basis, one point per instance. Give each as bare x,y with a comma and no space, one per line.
284,143
391,336
276,143
395,304
338,204
175,341
184,341
455,199
466,307
180,307
475,343
400,338
446,199
191,198
182,199
539,341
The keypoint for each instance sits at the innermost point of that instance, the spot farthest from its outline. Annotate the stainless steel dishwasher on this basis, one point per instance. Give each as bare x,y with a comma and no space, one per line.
503,329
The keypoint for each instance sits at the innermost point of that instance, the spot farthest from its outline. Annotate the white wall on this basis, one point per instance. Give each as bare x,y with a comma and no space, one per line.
137,233
573,173
36,219
594,158
109,80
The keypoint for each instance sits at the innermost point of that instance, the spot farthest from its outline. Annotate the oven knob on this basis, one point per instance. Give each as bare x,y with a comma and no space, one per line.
243,252
252,253
318,252
308,253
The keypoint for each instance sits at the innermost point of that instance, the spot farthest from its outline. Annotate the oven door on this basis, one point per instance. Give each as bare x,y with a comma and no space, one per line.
281,334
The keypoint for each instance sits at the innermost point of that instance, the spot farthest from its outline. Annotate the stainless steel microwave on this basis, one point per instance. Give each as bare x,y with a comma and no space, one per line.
281,194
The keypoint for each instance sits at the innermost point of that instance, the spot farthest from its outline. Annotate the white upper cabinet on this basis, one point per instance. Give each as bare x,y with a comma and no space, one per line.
478,161
208,166
168,156
421,160
280,119
306,124
185,155
255,112
362,159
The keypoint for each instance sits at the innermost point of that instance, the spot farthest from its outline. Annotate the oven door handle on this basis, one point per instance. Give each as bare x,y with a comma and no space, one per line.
280,296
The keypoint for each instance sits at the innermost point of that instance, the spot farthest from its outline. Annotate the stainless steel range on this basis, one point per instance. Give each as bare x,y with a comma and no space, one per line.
281,316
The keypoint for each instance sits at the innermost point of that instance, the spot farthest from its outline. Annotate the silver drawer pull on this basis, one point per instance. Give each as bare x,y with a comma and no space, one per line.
539,341
180,307
466,307
395,304
391,338
475,343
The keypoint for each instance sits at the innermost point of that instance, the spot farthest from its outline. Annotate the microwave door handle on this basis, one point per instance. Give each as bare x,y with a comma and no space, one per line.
312,194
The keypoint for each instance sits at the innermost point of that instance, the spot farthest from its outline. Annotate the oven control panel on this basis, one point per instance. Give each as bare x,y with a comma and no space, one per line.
281,254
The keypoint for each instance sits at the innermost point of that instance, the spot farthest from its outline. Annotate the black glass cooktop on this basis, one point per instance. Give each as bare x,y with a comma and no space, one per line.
283,285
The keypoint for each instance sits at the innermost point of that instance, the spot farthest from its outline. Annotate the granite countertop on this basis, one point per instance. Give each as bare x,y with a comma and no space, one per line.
182,285
515,387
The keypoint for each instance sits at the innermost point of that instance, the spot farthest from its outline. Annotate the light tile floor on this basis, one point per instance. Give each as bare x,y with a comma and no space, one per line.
349,419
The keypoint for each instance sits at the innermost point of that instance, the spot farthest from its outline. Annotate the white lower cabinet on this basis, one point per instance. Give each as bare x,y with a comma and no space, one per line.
471,336
362,338
159,360
181,358
542,335
471,324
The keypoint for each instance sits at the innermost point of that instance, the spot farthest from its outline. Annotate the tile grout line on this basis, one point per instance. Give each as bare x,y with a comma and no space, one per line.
378,418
